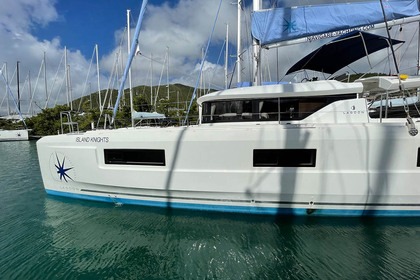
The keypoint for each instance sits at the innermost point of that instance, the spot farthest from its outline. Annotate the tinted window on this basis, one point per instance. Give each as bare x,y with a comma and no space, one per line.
418,157
289,108
135,156
285,158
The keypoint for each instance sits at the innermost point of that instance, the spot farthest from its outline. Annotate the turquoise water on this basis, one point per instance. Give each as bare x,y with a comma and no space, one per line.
43,237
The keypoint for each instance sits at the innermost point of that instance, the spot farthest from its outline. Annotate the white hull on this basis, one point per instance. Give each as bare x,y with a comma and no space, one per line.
14,135
325,156
211,168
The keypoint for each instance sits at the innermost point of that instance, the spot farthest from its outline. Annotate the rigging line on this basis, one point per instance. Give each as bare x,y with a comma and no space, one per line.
4,97
107,90
13,98
54,81
132,52
36,85
202,64
160,81
249,42
405,51
390,42
85,84
63,81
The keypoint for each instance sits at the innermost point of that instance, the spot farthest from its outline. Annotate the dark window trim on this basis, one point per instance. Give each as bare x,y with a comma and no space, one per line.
284,158
135,157
294,112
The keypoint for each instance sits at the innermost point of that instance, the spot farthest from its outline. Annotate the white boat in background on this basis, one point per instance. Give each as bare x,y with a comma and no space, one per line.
296,149
21,134
14,135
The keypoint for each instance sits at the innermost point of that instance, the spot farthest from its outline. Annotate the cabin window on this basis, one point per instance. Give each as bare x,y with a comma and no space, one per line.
135,157
288,108
284,157
418,157
395,109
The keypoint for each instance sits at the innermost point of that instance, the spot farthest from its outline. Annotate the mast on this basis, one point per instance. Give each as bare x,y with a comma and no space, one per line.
66,76
151,79
256,52
45,78
226,56
418,51
167,69
7,84
69,87
239,47
129,70
129,60
30,92
97,73
17,80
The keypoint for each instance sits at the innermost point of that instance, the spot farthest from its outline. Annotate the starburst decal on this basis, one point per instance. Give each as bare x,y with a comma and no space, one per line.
289,26
62,170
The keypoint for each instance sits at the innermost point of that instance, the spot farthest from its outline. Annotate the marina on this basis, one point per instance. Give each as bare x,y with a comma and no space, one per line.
316,177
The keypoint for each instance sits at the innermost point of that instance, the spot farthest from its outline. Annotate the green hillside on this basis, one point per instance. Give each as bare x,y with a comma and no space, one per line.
145,99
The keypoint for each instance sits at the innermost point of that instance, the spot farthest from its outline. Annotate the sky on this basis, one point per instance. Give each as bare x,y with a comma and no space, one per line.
172,30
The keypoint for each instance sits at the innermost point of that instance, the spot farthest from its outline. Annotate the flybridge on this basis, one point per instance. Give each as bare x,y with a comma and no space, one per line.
273,26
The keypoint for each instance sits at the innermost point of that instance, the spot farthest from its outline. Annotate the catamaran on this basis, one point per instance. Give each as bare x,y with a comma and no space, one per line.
311,148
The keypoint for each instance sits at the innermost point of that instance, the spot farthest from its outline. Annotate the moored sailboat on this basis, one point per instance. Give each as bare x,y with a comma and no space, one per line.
303,149
13,134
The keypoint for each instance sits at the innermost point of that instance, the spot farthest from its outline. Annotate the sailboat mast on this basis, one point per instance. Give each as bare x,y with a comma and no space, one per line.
226,56
418,51
45,78
167,70
239,47
66,77
97,74
30,93
256,52
129,70
7,84
17,80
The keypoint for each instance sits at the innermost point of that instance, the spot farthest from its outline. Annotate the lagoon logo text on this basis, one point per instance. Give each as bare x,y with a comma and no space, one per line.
92,139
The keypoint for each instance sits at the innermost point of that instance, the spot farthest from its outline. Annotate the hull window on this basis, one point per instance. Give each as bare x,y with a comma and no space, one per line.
135,157
418,157
285,158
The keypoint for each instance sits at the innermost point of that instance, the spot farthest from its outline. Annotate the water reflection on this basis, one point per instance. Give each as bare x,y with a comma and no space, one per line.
99,240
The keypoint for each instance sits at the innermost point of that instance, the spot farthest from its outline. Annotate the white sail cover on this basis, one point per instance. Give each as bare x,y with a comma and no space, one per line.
147,115
288,23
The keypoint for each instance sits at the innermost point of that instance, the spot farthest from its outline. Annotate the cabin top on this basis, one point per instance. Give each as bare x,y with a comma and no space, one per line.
318,88
388,83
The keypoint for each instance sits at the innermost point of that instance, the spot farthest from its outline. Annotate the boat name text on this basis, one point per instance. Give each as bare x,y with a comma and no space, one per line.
92,139
338,33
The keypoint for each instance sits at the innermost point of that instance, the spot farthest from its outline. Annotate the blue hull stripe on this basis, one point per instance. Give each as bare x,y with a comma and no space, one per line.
244,209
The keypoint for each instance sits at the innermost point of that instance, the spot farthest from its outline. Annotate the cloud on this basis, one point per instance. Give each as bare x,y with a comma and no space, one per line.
18,19
182,30
19,16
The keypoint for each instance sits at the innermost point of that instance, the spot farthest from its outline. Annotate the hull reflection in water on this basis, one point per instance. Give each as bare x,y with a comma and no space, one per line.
101,240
